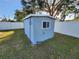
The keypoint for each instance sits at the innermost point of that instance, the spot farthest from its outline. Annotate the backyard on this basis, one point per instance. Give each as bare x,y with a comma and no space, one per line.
16,46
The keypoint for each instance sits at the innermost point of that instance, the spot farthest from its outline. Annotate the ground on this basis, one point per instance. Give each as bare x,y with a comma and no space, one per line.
77,19
17,46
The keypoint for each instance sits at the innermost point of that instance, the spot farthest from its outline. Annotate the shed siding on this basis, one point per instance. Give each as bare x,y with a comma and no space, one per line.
34,28
28,24
42,34
27,28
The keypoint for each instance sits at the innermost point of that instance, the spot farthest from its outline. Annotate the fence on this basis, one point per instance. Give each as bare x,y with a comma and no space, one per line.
11,25
68,28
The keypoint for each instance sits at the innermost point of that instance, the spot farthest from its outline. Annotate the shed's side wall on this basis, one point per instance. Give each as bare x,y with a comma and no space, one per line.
32,31
41,34
27,27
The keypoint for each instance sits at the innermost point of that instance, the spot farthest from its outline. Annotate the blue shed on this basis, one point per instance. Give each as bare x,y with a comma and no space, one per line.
39,28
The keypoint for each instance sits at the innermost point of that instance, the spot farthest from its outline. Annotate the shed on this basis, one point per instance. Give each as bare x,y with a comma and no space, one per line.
39,28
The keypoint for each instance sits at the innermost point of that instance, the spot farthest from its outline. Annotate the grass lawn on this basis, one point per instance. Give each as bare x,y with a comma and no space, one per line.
16,46
77,19
4,34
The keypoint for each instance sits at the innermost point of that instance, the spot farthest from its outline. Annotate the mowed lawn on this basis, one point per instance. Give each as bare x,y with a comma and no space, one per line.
17,46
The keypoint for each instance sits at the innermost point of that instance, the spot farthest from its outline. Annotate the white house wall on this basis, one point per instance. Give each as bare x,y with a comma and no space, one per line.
70,16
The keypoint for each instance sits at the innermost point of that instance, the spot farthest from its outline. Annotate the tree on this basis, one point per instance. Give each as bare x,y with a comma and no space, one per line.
53,7
10,20
19,15
4,19
28,6
27,9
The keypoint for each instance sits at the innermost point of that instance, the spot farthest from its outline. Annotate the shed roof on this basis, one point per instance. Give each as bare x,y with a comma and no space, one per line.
39,15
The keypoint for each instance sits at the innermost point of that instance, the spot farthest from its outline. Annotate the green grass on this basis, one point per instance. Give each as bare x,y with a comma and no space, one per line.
76,19
60,47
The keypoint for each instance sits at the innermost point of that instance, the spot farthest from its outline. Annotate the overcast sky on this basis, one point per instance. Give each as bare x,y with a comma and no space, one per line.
8,7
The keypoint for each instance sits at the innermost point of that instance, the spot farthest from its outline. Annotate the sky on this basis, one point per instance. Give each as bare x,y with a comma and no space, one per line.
8,7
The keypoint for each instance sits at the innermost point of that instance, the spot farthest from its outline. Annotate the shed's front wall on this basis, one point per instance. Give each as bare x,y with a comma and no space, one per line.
39,33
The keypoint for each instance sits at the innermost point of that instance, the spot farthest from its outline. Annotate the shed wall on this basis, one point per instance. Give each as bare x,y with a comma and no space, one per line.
27,27
41,34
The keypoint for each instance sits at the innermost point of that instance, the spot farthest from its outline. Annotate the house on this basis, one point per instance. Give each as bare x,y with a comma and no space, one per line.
70,16
39,27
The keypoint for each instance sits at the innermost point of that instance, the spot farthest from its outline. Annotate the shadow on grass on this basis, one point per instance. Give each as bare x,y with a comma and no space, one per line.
18,37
